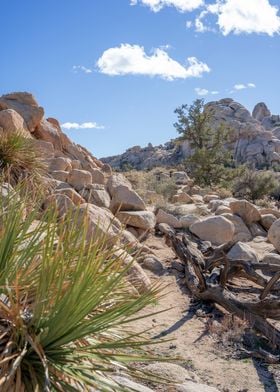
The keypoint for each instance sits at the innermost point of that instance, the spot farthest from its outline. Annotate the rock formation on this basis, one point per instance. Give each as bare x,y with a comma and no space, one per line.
255,140
79,181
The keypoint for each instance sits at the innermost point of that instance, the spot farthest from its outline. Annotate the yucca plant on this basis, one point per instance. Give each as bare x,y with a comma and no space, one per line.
65,306
20,160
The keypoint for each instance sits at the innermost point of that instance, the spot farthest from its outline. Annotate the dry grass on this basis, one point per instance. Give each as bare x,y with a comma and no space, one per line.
154,186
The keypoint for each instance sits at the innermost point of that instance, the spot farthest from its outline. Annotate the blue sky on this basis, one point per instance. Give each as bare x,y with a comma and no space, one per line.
113,71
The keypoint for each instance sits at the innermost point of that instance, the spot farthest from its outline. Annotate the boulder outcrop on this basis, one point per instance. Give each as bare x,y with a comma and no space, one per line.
255,140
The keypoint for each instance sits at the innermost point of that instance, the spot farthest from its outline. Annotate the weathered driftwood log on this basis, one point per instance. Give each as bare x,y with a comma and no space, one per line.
207,277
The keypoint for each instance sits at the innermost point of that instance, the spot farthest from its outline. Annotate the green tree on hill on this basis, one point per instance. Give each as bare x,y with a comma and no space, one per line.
210,162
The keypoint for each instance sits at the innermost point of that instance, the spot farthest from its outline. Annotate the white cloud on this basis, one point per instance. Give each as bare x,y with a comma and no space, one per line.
203,91
77,68
132,60
252,85
180,5
241,86
242,16
85,125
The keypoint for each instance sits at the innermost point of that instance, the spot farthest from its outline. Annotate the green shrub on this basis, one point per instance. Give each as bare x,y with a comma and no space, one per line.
65,306
210,162
254,185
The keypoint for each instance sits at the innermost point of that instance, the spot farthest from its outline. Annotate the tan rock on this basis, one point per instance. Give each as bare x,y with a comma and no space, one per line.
61,203
247,211
216,229
72,194
49,133
115,180
140,219
96,194
171,220
221,210
210,197
187,220
136,276
107,169
79,178
76,164
26,105
182,198
45,149
241,231
100,223
267,220
12,122
273,211
60,175
197,199
97,176
125,199
274,234
63,164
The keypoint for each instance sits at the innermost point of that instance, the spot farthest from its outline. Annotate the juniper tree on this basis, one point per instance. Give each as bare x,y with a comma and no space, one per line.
210,161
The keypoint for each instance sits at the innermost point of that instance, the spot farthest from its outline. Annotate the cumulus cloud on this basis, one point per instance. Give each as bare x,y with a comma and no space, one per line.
241,86
82,68
203,91
180,5
241,16
132,60
85,125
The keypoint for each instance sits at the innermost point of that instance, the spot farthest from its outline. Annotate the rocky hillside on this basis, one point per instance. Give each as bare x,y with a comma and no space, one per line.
76,180
255,140
107,203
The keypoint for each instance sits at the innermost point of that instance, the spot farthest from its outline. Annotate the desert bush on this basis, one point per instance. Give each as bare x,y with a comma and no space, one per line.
254,185
144,181
65,306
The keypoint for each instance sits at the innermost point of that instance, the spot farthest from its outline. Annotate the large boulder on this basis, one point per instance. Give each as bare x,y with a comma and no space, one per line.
169,219
116,180
96,194
241,231
187,220
136,275
12,122
274,234
247,211
78,179
216,229
72,194
97,176
98,221
62,204
60,164
242,251
49,133
141,219
45,149
260,111
126,199
267,220
26,105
